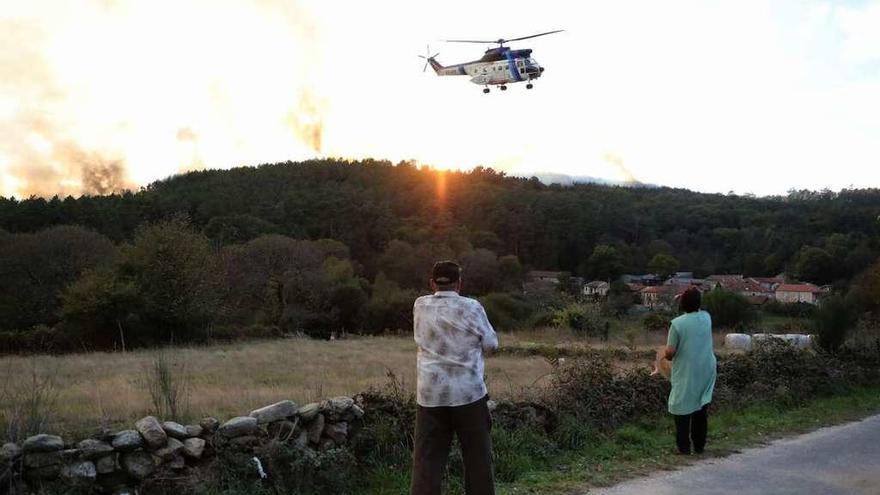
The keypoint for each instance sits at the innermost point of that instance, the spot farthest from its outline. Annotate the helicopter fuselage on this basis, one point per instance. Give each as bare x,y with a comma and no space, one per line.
499,66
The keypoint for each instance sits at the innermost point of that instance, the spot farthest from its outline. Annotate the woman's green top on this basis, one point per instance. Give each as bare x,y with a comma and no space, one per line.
693,367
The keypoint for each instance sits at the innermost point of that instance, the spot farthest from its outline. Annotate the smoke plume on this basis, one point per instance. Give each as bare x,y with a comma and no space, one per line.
617,161
100,96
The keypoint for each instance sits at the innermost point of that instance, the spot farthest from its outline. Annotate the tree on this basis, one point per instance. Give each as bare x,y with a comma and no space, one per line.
98,308
173,268
510,274
815,265
604,263
833,321
479,271
728,309
620,298
663,265
34,268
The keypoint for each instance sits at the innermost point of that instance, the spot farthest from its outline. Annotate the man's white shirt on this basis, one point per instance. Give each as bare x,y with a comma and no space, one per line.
451,332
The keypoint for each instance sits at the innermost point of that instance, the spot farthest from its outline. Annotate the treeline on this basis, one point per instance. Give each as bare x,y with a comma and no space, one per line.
367,204
331,245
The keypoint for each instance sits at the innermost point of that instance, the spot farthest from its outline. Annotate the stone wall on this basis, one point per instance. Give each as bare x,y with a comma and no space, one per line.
119,462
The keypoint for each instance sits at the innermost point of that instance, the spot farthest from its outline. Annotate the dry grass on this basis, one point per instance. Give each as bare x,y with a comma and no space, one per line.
231,380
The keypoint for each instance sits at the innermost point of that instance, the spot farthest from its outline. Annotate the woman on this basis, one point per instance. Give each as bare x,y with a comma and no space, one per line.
689,346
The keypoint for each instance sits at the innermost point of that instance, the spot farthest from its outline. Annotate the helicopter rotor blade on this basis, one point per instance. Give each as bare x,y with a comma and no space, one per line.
501,41
535,35
470,41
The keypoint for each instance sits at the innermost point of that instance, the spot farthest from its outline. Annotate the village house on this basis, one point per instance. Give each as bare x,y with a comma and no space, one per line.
661,296
795,293
596,289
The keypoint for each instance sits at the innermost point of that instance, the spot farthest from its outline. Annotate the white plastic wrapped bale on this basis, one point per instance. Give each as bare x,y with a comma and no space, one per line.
739,341
799,340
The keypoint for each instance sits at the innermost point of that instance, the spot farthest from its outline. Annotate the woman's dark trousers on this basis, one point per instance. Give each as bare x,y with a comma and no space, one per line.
691,427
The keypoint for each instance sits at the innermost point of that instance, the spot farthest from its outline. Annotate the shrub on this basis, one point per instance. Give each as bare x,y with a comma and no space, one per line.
168,386
833,321
793,310
581,319
728,309
657,322
507,311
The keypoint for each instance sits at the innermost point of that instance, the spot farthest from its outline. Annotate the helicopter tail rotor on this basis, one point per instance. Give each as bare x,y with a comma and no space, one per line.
429,59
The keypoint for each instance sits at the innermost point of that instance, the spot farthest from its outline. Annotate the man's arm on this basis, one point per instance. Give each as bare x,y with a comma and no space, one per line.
489,340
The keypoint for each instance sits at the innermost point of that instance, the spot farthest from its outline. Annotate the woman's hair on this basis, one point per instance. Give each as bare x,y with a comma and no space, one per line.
690,300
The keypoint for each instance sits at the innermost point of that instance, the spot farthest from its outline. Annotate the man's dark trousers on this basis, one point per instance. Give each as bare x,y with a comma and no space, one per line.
471,423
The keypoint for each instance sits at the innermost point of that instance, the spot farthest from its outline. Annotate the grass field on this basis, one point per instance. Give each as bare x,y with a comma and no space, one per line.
111,389
231,380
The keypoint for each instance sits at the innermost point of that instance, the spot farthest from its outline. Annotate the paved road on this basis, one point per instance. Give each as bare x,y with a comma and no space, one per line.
837,460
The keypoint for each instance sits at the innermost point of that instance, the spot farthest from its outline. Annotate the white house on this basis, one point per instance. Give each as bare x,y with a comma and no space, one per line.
596,288
794,293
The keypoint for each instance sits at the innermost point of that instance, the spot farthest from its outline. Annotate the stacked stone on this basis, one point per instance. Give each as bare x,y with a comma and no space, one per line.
120,460
113,459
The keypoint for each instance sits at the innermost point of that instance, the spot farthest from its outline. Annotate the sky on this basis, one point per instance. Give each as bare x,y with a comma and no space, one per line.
754,97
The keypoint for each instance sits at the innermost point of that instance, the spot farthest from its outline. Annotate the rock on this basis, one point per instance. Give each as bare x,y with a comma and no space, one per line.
138,464
240,426
326,444
491,405
127,440
177,463
282,430
316,428
91,449
174,430
247,441
355,412
302,440
79,472
194,431
336,407
338,432
170,450
150,428
275,412
209,424
42,459
10,452
44,473
126,491
105,434
42,443
193,447
106,464
309,411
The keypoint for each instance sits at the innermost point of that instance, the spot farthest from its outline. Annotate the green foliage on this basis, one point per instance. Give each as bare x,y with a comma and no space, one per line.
582,319
168,386
604,263
171,265
510,274
389,307
657,322
816,265
663,264
34,268
507,311
792,310
237,228
620,298
833,321
728,309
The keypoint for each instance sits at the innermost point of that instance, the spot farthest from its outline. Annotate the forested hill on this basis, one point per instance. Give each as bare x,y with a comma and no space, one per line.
824,236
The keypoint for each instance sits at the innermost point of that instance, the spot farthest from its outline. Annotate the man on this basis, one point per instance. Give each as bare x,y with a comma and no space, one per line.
452,333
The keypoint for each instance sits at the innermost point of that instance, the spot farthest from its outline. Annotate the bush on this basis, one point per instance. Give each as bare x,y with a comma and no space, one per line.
833,321
792,310
728,309
581,319
657,322
507,311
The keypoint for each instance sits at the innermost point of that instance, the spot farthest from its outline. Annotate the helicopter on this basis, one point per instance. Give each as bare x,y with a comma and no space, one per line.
498,66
